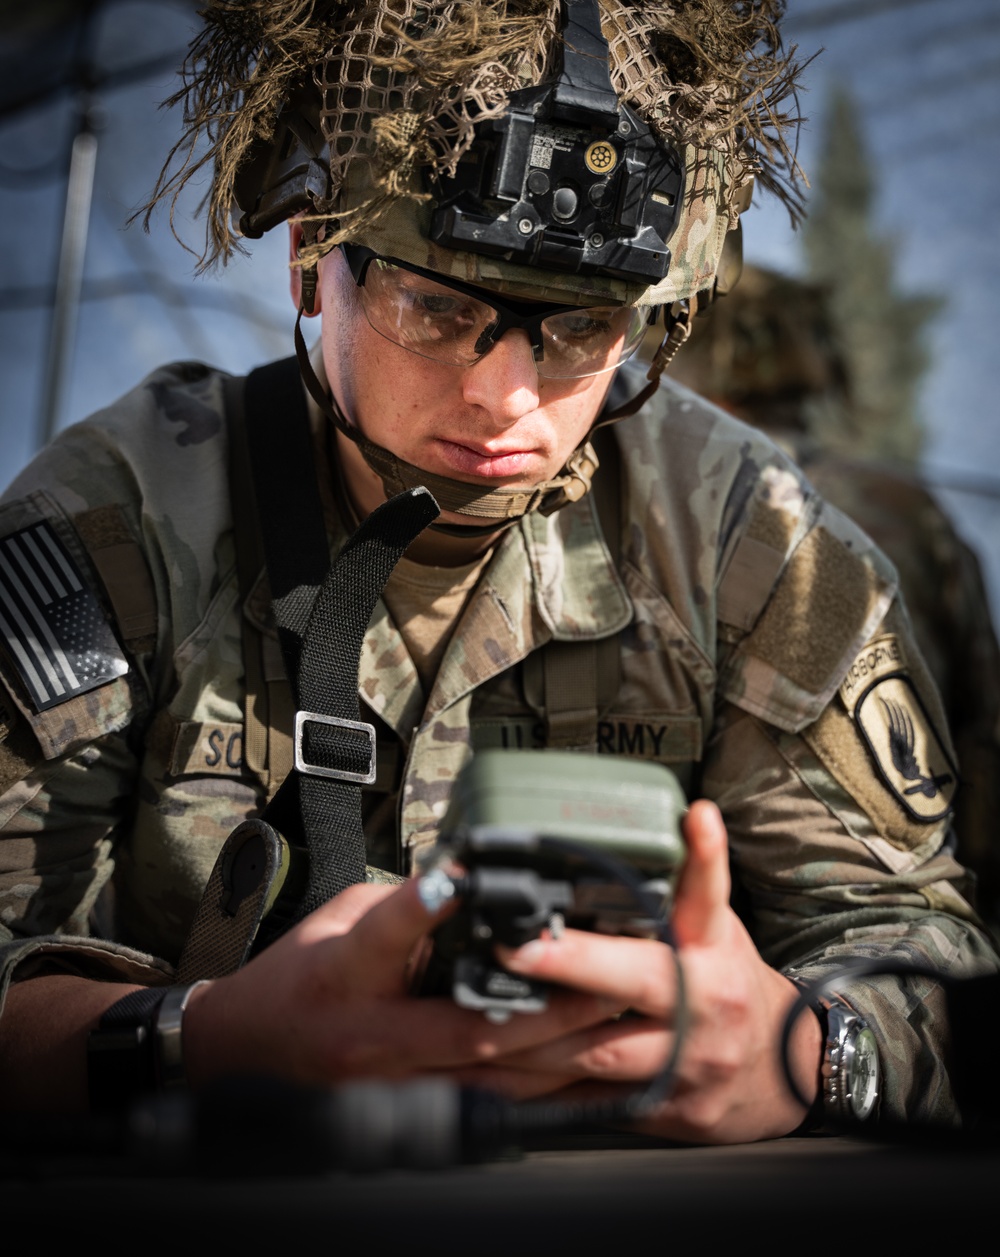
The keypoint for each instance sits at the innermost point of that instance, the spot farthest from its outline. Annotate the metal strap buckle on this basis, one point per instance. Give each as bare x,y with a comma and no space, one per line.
337,774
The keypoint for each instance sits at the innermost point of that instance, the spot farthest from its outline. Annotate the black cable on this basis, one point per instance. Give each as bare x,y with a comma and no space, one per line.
266,1126
644,1101
274,1126
813,991
548,1115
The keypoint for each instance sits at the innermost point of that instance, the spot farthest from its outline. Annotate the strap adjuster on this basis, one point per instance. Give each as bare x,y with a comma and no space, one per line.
337,774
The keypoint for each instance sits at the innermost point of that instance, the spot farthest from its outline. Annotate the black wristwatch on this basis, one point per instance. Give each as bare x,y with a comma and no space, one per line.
136,1048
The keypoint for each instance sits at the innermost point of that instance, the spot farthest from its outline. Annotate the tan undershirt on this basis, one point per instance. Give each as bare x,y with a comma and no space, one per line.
426,602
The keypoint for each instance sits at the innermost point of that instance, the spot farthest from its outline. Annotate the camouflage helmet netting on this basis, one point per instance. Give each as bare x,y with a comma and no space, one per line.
402,81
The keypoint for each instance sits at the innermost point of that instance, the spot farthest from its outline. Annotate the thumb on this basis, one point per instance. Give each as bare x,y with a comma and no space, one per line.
702,902
385,936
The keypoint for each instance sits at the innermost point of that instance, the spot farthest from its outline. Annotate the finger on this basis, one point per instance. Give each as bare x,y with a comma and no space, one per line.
631,972
384,933
702,901
416,1034
632,1050
340,914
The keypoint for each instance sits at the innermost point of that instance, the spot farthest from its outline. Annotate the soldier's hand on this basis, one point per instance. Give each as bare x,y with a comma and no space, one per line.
730,1086
329,1001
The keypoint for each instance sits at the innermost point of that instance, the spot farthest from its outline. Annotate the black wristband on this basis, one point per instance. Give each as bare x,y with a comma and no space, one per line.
121,1055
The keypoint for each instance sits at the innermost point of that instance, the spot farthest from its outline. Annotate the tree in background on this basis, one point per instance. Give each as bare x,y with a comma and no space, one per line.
878,332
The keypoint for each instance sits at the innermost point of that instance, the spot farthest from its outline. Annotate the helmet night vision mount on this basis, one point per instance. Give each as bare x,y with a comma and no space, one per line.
568,178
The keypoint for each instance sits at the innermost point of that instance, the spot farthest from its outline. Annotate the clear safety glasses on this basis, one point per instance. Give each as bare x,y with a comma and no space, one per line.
458,323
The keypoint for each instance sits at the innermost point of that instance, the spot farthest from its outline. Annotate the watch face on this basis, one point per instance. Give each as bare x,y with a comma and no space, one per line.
862,1075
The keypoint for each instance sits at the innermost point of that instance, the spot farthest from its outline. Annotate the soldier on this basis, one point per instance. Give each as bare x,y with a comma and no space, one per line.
487,202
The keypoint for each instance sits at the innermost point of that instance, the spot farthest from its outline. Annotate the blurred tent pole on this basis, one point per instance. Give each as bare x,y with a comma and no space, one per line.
69,277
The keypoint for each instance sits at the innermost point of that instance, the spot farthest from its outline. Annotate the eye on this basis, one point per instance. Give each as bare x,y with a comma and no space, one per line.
438,304
584,324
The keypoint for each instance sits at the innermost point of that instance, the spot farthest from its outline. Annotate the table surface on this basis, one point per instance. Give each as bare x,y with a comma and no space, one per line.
822,1188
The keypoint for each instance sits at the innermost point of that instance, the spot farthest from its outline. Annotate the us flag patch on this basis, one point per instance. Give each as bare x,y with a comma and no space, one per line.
51,624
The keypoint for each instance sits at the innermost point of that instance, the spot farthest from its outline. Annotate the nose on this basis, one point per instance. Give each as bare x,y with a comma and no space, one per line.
504,383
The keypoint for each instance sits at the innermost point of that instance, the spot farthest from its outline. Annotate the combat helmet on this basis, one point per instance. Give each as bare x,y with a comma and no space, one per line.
579,152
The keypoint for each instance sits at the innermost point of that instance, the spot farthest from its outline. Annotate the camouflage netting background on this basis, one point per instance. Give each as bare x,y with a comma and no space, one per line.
403,81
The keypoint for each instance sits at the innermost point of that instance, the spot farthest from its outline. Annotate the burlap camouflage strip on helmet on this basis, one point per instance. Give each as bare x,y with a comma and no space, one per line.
402,83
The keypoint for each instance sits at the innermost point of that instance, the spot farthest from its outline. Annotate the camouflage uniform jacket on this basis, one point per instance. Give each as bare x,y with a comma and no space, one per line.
755,624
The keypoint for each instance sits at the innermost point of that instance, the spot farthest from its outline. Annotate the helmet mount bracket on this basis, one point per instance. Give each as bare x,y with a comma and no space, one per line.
568,178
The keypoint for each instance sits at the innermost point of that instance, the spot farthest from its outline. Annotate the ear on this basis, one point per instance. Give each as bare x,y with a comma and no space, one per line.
295,271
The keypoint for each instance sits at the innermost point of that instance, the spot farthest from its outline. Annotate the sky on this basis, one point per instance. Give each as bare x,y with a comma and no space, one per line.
925,74
926,78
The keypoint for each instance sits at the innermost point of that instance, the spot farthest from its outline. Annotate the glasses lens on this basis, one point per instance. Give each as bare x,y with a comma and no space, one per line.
441,323
587,342
427,318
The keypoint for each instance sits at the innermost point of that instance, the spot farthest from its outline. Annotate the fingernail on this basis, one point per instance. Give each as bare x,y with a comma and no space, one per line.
530,952
435,889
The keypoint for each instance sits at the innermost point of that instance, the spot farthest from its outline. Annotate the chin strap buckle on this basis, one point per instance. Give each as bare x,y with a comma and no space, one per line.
573,483
680,330
580,468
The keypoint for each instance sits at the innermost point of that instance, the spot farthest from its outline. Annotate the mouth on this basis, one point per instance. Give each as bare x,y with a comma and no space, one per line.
490,464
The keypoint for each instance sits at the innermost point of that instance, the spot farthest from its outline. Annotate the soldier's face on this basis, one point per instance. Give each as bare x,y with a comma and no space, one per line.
495,423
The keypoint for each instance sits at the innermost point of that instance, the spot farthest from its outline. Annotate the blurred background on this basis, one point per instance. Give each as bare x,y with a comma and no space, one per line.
901,146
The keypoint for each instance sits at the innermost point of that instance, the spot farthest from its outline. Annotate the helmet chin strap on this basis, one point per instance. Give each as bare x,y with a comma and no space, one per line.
488,509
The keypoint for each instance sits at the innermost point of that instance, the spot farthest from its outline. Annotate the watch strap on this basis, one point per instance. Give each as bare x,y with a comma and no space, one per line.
137,1047
849,1068
169,1044
120,1055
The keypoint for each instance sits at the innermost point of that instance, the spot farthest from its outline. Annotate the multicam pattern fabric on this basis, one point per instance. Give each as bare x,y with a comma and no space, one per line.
402,231
768,354
741,600
950,613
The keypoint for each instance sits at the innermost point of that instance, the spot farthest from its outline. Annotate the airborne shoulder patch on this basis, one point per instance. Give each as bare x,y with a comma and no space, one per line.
52,628
907,750
880,658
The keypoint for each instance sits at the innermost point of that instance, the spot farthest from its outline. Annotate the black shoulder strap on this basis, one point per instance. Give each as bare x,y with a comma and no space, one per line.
322,613
246,529
286,498
268,707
